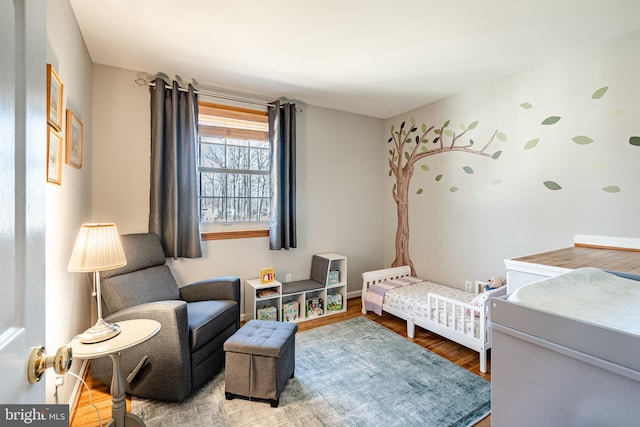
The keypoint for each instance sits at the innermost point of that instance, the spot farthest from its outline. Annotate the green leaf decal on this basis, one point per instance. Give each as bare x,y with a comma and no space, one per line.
425,168
419,191
413,129
526,105
612,189
438,178
529,145
446,124
496,155
448,132
635,140
468,169
501,136
436,131
600,92
453,189
582,140
393,127
391,173
472,125
424,149
496,182
406,155
551,185
424,127
391,152
551,120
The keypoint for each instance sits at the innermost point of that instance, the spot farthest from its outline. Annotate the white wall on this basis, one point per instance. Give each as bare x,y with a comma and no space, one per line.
68,299
466,235
338,195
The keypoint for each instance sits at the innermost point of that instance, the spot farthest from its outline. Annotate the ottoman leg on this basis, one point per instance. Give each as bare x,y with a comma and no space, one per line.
229,396
274,403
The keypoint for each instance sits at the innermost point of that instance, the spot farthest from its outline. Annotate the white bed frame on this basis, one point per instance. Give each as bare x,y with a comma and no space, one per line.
447,325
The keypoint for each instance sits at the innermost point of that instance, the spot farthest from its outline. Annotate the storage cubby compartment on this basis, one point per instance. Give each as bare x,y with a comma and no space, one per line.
314,304
336,300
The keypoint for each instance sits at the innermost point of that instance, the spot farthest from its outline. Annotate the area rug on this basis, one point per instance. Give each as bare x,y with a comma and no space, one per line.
351,373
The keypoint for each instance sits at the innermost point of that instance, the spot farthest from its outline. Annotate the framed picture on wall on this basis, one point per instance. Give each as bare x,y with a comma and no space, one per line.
73,140
54,156
54,98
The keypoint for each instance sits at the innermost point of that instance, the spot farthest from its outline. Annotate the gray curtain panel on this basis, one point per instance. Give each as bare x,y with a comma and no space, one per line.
174,209
282,137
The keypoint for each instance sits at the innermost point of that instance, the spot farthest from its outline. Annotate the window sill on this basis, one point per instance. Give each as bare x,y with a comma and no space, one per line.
236,234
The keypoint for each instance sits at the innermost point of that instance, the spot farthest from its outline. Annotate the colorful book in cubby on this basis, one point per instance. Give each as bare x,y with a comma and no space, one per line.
267,313
334,302
314,307
290,311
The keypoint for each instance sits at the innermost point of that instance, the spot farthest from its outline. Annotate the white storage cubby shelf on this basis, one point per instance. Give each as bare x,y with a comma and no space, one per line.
323,294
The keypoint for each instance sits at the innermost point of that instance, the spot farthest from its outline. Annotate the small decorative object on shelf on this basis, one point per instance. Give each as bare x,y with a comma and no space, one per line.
333,277
334,302
290,311
267,313
268,292
267,275
314,307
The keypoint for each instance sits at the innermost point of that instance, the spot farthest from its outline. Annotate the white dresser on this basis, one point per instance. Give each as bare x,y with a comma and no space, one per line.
618,254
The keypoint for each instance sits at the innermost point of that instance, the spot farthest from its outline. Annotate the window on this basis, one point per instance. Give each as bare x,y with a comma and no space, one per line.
234,161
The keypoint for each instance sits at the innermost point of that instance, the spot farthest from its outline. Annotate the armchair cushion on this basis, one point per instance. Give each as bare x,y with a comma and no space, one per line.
138,287
207,320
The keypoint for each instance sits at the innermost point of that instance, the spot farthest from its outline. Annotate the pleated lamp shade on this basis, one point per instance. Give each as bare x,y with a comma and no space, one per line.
97,248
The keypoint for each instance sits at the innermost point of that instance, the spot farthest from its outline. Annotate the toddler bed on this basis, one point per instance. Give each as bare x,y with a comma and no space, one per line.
452,313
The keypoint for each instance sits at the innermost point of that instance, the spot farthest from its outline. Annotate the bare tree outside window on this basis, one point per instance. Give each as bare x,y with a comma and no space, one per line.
234,160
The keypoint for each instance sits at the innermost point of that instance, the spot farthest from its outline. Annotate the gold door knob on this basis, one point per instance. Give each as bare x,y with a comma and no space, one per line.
39,362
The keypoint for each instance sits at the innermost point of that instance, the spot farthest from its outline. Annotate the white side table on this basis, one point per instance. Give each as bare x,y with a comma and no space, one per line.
132,333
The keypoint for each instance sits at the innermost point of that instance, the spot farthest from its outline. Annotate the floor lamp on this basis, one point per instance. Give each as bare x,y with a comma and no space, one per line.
97,249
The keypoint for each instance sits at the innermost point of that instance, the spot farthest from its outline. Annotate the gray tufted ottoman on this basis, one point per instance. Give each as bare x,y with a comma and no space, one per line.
260,359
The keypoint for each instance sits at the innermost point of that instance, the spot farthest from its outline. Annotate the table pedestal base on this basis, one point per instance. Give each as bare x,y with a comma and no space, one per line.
118,398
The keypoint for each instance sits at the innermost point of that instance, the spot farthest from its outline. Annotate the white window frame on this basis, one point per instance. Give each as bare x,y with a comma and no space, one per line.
238,126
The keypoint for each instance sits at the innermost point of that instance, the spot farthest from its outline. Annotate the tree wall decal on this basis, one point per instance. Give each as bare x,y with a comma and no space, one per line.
409,147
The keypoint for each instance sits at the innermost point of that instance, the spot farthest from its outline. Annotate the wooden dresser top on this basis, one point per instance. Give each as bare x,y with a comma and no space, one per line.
614,259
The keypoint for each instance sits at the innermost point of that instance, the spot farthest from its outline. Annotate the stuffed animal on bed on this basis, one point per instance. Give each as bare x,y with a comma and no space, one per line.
494,283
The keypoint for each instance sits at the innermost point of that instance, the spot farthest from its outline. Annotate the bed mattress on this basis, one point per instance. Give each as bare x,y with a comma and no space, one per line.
414,300
586,294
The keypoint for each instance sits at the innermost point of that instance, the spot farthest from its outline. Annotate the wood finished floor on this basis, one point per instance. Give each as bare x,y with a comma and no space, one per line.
85,415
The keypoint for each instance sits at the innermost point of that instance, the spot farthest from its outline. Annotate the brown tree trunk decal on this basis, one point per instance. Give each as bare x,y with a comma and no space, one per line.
404,155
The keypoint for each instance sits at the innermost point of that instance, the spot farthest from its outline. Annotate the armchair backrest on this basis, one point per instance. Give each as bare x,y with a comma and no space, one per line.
145,278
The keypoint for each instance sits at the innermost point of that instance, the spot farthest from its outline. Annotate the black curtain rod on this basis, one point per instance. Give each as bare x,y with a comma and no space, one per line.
142,82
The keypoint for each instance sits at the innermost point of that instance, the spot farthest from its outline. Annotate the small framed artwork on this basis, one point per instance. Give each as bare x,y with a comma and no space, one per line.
54,156
54,98
73,140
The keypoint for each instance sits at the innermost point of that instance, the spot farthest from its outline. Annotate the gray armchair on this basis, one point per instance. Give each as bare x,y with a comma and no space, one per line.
196,320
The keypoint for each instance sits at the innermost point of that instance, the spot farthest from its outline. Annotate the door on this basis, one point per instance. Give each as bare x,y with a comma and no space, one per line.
22,194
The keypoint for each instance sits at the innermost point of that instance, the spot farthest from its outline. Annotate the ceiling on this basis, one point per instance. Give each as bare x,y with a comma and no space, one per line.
378,58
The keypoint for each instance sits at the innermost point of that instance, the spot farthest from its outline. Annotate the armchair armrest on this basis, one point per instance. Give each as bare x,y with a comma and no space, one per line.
220,288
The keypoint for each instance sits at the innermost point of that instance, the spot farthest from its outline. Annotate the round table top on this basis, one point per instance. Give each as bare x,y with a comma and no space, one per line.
132,333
